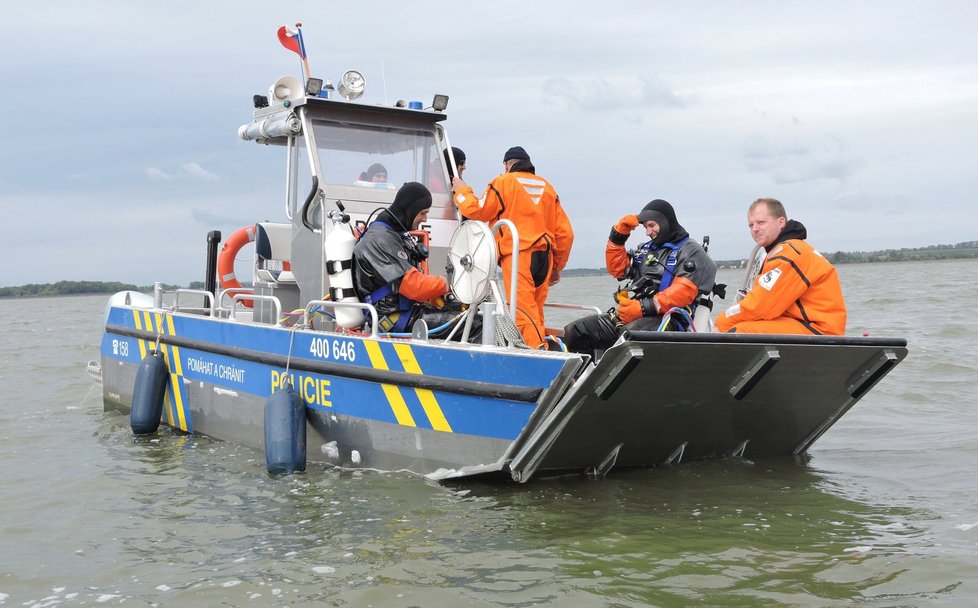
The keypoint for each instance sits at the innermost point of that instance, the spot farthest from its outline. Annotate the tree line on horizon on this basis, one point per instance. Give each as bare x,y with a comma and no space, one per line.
966,249
77,288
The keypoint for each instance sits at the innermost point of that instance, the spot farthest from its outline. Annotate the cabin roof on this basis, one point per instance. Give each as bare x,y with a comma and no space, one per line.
346,111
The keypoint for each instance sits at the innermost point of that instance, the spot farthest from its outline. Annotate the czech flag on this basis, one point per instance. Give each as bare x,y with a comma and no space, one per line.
291,38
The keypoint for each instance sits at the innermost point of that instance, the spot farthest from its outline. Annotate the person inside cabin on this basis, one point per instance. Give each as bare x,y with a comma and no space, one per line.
459,155
545,234
436,176
797,291
386,267
667,272
375,177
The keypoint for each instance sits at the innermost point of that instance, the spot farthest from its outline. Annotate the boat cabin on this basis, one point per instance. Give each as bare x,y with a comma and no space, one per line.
330,144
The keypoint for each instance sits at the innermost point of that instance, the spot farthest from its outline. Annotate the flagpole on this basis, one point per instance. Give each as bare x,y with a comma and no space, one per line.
302,47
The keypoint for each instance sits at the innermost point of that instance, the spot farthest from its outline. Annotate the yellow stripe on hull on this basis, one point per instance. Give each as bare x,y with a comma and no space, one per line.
394,397
425,396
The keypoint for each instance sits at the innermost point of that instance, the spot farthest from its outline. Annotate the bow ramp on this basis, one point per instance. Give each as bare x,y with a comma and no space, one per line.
659,398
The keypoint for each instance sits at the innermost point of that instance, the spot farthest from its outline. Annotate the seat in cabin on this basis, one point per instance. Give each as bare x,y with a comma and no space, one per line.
273,253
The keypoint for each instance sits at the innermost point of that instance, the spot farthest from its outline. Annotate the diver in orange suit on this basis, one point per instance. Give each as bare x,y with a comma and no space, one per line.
531,203
797,290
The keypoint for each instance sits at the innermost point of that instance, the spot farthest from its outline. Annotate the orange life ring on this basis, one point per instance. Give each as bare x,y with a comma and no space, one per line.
225,260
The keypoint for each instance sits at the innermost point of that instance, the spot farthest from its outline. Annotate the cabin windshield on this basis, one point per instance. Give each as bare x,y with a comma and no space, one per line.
348,151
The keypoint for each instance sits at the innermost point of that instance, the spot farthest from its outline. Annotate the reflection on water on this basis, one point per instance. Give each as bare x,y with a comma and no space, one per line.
703,531
882,514
712,532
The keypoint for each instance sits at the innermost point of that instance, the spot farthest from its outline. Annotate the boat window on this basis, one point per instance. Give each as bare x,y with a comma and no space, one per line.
347,153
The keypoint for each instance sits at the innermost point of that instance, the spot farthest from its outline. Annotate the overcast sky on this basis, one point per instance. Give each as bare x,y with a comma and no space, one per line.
119,119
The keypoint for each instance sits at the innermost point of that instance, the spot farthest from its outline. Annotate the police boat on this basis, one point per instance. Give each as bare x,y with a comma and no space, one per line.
289,366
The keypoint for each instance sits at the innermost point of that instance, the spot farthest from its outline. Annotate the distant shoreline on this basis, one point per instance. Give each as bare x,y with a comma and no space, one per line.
937,252
960,251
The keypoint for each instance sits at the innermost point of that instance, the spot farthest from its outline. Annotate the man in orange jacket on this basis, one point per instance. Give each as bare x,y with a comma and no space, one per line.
797,290
545,234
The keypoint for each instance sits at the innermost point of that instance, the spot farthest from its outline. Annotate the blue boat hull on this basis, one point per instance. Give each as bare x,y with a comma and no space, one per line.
453,410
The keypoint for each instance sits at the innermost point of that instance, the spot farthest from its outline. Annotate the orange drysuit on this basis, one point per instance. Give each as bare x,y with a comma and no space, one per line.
796,292
546,236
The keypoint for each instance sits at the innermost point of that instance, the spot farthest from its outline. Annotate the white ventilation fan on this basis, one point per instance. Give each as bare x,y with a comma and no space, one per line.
472,254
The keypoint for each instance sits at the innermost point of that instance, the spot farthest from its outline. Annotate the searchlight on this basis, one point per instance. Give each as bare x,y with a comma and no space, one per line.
352,84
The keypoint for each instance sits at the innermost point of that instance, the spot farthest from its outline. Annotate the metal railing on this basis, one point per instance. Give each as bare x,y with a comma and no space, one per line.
573,307
514,273
208,299
250,296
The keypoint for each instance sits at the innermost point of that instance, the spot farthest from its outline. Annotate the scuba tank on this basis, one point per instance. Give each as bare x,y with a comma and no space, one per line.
339,265
703,304
701,317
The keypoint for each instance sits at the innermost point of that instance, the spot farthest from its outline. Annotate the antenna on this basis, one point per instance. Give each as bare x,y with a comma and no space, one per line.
383,76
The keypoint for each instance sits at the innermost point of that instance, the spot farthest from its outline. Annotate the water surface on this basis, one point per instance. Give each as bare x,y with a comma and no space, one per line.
881,513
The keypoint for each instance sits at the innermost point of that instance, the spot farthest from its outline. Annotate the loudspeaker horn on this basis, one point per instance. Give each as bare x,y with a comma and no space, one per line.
286,88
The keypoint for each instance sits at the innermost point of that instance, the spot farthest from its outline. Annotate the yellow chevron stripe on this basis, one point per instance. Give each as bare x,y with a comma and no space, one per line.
177,365
394,397
176,378
148,325
156,324
427,398
139,325
170,386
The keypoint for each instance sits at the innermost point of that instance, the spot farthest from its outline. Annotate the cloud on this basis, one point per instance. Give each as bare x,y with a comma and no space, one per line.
869,200
798,161
604,94
185,171
158,174
195,170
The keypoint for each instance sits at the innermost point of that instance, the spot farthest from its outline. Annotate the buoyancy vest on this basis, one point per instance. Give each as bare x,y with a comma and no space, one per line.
645,256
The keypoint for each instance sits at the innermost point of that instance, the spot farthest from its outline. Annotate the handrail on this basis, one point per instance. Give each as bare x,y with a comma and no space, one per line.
291,172
250,296
572,306
368,307
753,269
440,130
312,149
314,193
208,297
514,274
232,291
